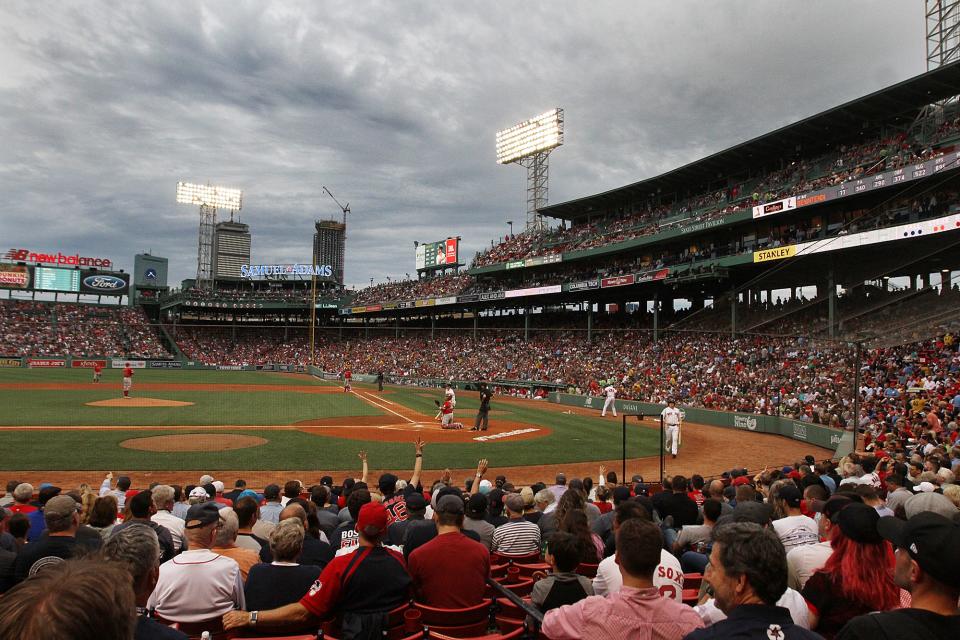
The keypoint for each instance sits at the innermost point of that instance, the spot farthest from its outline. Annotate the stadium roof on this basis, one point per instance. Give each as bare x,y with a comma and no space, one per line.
836,124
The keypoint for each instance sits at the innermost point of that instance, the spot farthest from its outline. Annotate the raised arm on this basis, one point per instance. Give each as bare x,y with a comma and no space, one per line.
363,457
418,462
481,469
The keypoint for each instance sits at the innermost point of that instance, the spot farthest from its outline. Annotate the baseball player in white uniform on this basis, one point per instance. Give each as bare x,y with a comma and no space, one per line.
611,392
672,417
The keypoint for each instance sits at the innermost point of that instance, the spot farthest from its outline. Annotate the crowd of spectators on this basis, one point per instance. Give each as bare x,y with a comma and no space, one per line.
218,345
857,548
399,290
273,294
29,328
848,162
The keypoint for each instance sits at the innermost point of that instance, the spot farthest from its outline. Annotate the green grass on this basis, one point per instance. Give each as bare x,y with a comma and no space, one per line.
573,438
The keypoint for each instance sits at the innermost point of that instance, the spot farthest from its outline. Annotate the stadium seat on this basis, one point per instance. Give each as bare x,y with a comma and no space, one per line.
459,623
396,619
527,570
435,635
587,570
692,580
196,629
498,571
521,588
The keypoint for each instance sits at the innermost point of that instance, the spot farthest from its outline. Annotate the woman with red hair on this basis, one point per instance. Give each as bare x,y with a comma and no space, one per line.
858,576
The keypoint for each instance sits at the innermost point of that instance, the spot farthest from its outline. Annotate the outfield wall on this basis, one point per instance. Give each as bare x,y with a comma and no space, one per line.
816,434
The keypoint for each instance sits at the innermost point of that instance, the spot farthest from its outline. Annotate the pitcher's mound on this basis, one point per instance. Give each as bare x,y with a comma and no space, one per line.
185,442
138,402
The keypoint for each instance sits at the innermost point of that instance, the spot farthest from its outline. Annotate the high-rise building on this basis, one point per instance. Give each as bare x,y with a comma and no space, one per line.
231,248
328,246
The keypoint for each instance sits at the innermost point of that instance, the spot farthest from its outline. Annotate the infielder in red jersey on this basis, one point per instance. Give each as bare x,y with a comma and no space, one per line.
347,379
97,370
127,380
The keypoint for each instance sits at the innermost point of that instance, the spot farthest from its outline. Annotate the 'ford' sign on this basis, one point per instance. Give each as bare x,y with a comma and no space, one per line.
104,283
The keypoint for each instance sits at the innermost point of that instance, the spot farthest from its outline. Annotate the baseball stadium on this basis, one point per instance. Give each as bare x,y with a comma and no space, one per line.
772,326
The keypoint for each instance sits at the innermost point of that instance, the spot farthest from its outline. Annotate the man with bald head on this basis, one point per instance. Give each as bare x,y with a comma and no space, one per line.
715,491
315,551
198,584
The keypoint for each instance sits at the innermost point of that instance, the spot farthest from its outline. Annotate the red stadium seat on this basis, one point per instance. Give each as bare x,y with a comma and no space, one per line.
692,580
434,635
498,571
459,623
527,570
499,558
521,588
397,624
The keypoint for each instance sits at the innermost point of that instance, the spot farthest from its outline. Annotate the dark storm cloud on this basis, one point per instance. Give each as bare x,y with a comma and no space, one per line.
393,105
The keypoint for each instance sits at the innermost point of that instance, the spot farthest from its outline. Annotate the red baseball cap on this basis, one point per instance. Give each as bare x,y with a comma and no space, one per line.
372,521
741,480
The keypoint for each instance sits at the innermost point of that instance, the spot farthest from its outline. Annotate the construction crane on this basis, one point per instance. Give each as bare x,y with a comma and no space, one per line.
344,208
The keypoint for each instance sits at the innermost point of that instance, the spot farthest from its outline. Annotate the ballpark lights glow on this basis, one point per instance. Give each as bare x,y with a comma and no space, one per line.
531,136
209,195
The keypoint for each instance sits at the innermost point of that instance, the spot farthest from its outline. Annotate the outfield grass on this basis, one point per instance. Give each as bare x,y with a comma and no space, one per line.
574,438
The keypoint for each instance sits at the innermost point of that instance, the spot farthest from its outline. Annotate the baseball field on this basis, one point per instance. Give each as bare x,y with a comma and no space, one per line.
55,423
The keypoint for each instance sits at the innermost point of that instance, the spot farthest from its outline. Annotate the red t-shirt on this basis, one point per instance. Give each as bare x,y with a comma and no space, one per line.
97,368
21,508
368,579
450,571
128,373
605,507
696,496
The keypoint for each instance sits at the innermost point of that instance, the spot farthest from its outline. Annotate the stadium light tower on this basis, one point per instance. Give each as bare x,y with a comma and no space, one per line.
209,198
529,144
943,32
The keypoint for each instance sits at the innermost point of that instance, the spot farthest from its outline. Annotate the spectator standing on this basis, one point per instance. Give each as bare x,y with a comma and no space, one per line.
637,610
451,570
748,575
416,510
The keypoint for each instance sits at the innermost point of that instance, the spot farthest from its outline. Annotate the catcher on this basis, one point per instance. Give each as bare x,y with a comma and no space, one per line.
445,413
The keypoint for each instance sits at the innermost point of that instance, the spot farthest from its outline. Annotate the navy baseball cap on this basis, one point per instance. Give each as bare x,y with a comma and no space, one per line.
931,540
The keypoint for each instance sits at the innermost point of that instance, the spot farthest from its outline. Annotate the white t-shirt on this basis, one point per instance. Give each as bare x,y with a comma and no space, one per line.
804,560
667,578
795,531
791,600
671,415
611,391
197,585
173,524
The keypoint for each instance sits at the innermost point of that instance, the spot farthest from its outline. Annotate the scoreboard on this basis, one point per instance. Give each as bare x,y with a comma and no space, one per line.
438,255
53,279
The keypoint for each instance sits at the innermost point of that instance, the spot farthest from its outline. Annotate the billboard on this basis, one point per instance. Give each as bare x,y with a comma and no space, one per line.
104,284
15,276
438,255
54,279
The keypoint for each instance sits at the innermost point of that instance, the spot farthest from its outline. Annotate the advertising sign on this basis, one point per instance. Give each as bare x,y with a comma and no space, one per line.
766,255
123,364
584,285
437,255
166,364
650,276
76,260
770,208
9,363
104,284
533,291
618,281
87,364
283,271
15,276
37,363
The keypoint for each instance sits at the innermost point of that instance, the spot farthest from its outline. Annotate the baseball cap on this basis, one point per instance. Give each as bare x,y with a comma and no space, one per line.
387,483
621,494
48,492
477,504
416,502
527,494
935,502
249,493
930,539
859,523
925,487
791,495
200,515
450,504
485,486
372,520
59,507
199,492
206,479
739,480
271,491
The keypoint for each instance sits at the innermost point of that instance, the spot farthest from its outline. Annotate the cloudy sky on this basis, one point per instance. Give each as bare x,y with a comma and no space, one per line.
394,107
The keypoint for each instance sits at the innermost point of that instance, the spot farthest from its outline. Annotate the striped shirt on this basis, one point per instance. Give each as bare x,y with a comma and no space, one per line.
516,538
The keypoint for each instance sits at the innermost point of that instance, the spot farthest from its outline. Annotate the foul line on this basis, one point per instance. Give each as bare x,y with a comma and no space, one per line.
380,406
